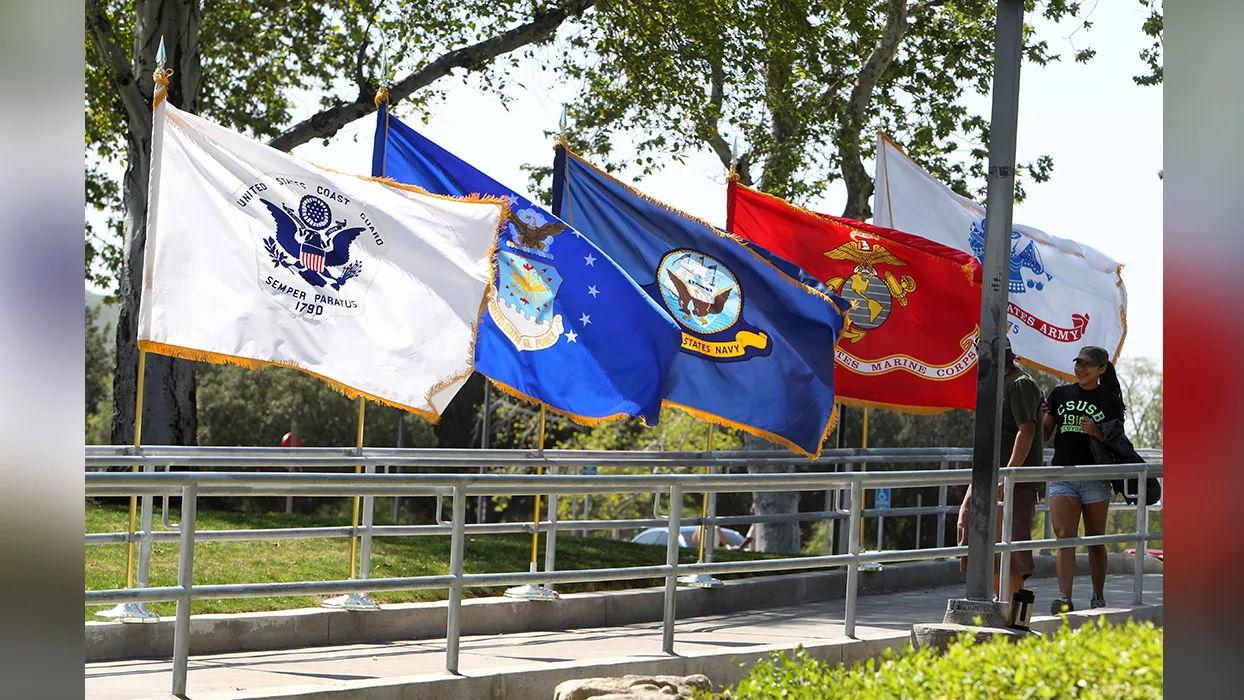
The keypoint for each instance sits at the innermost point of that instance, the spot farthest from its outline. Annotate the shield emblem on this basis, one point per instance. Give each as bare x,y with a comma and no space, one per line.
523,301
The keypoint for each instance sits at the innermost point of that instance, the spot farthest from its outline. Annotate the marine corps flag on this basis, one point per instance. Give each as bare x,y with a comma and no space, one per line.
1062,295
911,343
757,343
255,257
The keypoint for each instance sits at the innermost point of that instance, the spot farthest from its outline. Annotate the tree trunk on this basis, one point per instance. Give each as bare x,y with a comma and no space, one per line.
779,538
859,183
169,412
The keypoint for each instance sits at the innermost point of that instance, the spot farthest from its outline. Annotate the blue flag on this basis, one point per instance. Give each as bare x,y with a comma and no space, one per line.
563,325
757,343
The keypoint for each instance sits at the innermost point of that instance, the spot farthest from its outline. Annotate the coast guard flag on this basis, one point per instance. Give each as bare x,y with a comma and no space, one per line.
1062,295
564,325
757,344
911,343
257,258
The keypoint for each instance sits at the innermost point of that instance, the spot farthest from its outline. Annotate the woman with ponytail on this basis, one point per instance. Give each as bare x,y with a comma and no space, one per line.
1074,415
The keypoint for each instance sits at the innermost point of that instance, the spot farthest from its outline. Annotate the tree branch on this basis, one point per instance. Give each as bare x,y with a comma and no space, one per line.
331,120
716,141
859,184
136,107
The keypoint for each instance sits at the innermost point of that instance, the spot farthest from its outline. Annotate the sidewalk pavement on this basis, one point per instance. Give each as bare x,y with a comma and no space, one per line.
528,666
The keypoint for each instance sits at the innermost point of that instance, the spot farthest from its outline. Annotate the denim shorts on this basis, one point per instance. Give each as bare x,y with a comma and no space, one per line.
1086,491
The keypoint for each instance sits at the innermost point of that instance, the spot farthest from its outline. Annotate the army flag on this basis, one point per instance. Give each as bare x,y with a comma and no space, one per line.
757,344
564,326
1062,295
911,343
255,257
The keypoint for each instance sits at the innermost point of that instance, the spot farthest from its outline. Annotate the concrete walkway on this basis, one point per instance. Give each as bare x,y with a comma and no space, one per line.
528,666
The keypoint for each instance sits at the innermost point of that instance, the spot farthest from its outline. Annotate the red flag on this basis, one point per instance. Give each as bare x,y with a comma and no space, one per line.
911,345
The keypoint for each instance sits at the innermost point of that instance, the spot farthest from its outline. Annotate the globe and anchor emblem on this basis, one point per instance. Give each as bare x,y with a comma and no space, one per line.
873,293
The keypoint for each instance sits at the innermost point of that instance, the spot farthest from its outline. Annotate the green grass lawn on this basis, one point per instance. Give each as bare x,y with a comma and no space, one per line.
328,559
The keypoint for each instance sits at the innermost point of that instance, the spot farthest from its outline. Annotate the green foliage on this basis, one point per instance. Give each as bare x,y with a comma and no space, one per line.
1152,56
98,361
244,407
784,87
328,559
1141,379
261,58
1095,662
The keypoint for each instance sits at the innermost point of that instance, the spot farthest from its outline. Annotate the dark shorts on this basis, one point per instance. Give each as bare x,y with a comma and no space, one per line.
1022,515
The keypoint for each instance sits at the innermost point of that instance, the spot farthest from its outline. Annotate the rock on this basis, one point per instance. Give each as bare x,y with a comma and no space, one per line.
632,688
941,636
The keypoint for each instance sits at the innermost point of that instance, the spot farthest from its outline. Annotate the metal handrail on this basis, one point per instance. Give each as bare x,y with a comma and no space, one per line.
101,456
191,485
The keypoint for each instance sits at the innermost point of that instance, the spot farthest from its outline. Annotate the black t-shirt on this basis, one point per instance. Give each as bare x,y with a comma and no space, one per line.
1069,404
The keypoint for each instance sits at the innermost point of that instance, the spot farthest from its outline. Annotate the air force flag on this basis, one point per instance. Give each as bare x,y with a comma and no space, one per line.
757,342
563,325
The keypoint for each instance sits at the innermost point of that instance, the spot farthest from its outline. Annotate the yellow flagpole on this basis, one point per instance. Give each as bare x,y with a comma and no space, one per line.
864,468
358,469
535,519
138,441
704,502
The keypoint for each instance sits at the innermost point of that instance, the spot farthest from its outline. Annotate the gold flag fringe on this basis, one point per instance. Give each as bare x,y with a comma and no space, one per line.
586,421
251,363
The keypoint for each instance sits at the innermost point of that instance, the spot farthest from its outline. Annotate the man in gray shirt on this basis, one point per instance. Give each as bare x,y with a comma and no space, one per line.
1022,445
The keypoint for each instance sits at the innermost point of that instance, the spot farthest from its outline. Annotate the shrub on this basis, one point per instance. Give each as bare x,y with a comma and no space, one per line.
1097,661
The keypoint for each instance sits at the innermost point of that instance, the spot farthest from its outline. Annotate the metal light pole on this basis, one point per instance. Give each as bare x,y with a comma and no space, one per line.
1008,38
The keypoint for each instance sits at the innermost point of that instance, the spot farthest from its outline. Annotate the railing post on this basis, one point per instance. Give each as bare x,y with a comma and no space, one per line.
919,504
369,513
456,544
710,544
185,578
1142,528
853,547
550,543
1004,569
671,559
941,514
144,545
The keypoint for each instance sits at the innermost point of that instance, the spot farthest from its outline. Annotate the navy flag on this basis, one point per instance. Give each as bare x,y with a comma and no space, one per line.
563,325
757,342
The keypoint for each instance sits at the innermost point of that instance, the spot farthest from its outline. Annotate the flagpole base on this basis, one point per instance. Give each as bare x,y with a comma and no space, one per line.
700,581
529,592
130,613
351,601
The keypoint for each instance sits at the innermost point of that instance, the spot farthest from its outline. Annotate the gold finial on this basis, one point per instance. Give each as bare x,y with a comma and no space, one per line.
382,95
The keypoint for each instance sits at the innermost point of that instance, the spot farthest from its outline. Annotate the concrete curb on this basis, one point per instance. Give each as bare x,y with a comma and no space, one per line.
724,669
311,627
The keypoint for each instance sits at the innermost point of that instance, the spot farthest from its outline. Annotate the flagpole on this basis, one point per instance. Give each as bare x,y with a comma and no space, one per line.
136,612
535,517
138,441
708,447
863,468
354,601
535,591
358,469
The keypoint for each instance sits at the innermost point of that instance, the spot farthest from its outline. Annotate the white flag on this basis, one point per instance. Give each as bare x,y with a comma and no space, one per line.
1062,295
257,257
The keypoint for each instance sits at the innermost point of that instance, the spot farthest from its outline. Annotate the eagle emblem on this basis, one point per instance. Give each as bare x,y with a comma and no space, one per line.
521,300
699,291
532,229
873,292
1027,259
311,244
